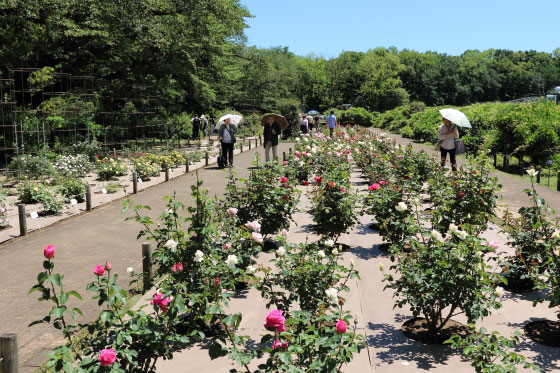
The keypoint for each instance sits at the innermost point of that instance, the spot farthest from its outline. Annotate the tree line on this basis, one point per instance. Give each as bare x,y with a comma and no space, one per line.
195,56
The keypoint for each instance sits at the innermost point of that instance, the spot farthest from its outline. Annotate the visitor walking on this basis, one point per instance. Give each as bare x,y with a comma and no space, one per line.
204,125
310,122
226,135
304,125
196,127
447,134
331,122
271,132
316,119
212,124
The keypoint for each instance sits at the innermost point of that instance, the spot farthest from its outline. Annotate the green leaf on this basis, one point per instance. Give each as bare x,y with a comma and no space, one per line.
216,350
63,297
75,294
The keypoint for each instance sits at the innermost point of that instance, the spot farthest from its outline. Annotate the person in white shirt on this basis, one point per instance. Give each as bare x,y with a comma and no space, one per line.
226,135
447,134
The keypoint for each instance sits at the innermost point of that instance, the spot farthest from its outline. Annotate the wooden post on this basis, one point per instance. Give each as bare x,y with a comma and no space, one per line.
284,156
187,164
114,153
538,175
166,173
22,220
249,144
290,152
206,158
147,265
134,182
8,352
495,160
88,197
558,181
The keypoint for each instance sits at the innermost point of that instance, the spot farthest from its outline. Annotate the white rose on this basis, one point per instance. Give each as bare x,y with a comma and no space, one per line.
130,270
402,207
281,251
461,234
381,266
332,294
335,252
453,228
499,292
352,262
532,172
251,269
171,245
329,243
321,253
198,256
231,261
436,235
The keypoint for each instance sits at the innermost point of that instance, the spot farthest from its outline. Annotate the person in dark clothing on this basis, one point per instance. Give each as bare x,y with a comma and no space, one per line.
196,127
271,133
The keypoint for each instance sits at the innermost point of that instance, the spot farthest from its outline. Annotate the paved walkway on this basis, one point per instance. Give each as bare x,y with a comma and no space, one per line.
81,243
512,186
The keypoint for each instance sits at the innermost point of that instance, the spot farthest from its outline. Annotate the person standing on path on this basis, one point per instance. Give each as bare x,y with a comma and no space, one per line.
447,134
204,125
271,132
212,124
310,123
331,122
196,127
226,135
304,125
316,119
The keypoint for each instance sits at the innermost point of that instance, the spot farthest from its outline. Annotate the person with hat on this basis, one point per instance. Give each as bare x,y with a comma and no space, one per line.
226,135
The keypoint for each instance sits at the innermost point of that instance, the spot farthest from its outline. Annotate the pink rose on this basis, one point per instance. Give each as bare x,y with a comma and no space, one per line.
374,187
285,163
382,182
254,226
342,190
284,232
232,211
99,270
257,237
177,267
341,327
347,151
49,251
318,179
161,303
274,319
108,266
494,245
107,357
277,344
226,246
284,180
217,281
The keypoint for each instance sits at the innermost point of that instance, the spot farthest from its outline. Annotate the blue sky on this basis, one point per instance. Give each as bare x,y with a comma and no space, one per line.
329,27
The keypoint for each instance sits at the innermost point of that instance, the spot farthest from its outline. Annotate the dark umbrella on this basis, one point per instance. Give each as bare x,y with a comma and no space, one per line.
282,122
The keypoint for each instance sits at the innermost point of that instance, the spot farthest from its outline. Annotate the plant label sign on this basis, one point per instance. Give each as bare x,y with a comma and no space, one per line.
139,180
34,215
104,191
74,203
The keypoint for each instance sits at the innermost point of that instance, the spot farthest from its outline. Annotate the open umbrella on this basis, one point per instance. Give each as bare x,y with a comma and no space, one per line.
233,119
282,122
313,112
455,116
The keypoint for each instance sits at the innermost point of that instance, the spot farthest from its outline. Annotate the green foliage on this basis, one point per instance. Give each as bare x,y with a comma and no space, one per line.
108,168
72,188
70,165
357,116
490,352
41,78
32,167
